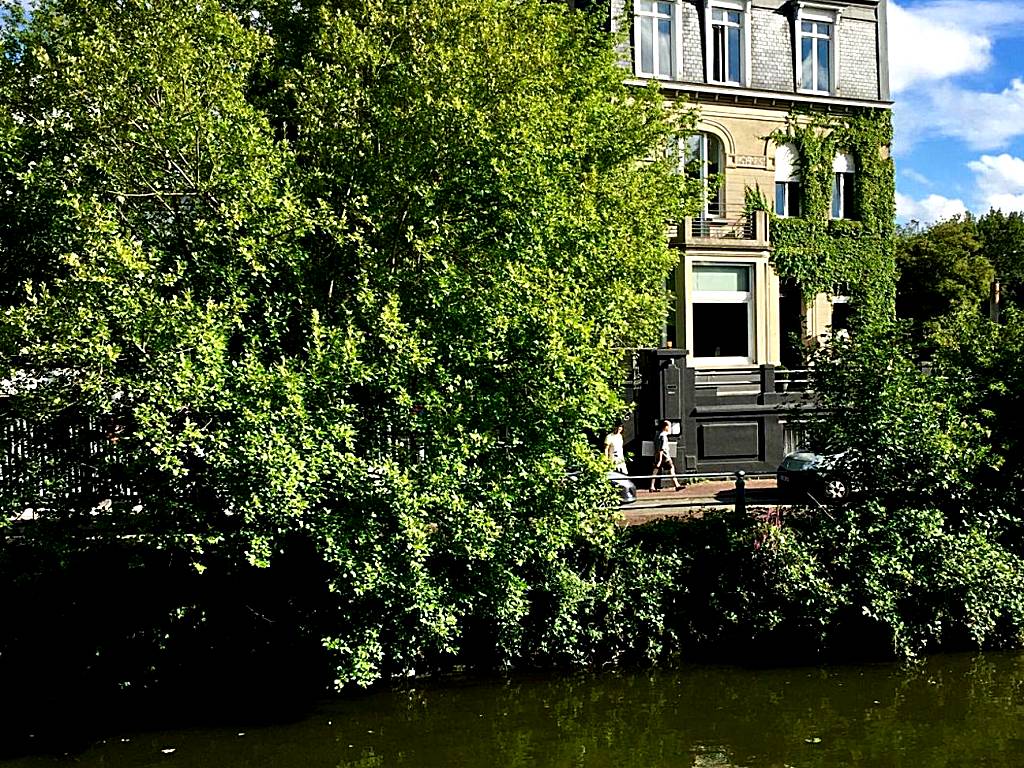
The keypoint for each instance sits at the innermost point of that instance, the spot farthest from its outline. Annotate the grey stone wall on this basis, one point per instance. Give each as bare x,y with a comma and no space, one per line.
619,20
771,44
618,17
691,68
858,59
772,53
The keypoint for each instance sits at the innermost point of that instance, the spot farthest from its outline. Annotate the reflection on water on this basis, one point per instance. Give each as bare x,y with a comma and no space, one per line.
950,711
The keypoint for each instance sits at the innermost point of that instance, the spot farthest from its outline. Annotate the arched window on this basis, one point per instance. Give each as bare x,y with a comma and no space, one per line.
787,181
845,171
704,159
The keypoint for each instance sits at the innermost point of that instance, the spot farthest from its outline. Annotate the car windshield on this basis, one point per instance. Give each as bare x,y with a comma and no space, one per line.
800,461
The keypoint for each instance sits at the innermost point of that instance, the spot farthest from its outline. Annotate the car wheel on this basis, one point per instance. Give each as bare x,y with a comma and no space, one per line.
836,488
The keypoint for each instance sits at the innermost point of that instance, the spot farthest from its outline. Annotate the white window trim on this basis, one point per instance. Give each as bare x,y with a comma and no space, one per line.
725,297
743,6
675,35
819,13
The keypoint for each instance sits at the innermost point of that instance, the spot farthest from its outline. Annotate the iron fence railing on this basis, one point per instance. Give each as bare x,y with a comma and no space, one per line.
66,464
710,228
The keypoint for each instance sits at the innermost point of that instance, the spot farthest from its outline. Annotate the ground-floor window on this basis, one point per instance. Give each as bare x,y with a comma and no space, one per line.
723,314
794,437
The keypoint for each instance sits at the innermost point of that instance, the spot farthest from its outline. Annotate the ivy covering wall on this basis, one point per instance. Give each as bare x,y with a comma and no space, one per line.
820,252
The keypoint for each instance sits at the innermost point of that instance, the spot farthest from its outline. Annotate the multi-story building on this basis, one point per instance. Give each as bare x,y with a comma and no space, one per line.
794,235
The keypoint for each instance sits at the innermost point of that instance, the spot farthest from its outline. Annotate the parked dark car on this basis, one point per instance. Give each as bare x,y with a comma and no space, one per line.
819,475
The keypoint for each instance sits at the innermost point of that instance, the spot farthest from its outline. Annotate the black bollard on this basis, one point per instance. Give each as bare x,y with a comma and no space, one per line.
741,492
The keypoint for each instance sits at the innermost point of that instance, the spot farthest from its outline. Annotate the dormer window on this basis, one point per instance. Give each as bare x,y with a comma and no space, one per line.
815,36
654,39
727,34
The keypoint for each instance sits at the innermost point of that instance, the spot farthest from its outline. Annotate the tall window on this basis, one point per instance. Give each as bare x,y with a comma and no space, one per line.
726,45
723,313
653,24
816,55
787,181
703,159
844,173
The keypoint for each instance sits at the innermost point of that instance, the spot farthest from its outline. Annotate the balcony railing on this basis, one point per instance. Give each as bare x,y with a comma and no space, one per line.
747,231
750,380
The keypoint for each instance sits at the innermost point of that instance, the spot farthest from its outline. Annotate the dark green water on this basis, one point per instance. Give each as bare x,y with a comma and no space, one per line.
949,711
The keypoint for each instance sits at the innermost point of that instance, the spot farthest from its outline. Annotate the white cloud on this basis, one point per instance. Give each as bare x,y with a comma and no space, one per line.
1000,181
982,120
929,44
916,176
982,16
925,45
928,210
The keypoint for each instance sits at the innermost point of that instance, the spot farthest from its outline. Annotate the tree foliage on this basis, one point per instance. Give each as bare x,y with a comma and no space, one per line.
948,268
348,274
943,270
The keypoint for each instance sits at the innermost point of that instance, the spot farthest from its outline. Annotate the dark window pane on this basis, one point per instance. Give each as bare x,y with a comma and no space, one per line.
840,316
780,198
793,198
718,53
734,55
807,53
848,194
665,47
721,330
823,83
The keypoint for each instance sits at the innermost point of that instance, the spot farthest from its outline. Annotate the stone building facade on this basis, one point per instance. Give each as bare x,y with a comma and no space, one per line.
748,67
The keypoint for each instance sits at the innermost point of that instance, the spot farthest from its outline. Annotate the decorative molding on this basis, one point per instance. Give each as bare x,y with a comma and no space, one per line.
748,161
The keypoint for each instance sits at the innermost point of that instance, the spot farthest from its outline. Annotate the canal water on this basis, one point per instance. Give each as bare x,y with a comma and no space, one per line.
962,711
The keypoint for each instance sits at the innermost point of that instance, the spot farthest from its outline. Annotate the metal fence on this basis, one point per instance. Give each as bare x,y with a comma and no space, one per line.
66,464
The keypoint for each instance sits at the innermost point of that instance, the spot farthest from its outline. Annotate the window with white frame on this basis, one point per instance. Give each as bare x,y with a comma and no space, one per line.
843,180
787,181
723,314
816,49
654,38
727,44
704,159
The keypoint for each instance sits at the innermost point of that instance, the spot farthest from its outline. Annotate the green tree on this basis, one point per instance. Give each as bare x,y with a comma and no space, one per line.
1002,243
929,547
943,270
349,275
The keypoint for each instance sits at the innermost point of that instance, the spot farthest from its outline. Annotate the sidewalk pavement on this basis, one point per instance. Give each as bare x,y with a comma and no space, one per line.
691,501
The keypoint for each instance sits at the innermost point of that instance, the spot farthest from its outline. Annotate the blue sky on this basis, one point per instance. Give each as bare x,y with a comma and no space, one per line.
957,71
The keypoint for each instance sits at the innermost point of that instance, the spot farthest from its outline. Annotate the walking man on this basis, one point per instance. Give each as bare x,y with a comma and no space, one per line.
613,449
663,457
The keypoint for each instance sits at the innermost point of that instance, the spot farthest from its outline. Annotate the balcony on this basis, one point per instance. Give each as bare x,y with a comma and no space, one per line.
748,232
